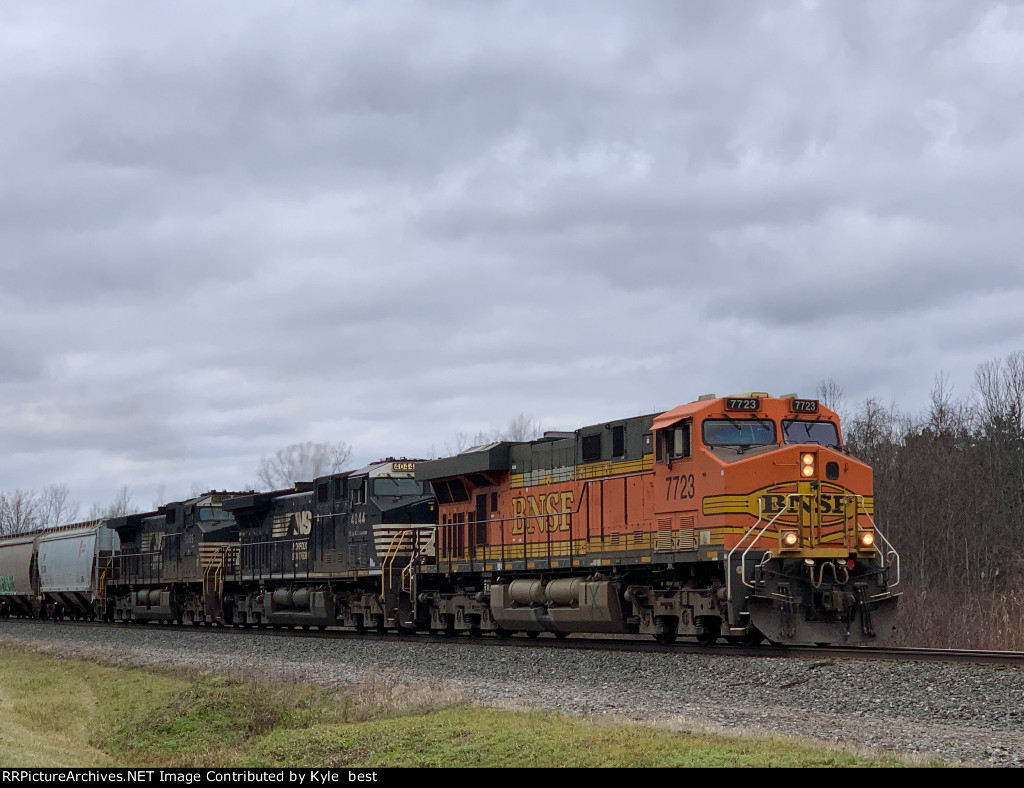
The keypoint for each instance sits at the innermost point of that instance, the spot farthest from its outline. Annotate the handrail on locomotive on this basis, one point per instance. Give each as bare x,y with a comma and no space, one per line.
886,556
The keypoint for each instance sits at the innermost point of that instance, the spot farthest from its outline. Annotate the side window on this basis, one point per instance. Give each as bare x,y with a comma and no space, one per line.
591,448
322,492
339,489
358,490
619,441
679,441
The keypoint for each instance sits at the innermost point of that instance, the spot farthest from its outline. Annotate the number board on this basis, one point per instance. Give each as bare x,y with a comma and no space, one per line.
803,405
403,466
742,403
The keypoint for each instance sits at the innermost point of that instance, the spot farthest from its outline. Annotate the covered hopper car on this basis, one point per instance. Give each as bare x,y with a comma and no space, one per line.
57,573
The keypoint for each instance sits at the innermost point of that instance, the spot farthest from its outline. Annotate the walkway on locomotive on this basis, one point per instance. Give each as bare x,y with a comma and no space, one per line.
685,485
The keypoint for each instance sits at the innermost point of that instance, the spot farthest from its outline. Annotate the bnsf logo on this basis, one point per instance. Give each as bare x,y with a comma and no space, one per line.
828,504
551,512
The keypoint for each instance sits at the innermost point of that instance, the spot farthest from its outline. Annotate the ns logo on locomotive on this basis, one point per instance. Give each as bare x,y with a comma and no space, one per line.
741,517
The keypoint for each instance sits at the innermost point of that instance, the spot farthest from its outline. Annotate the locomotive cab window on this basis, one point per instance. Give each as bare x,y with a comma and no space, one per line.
211,514
358,491
824,433
591,448
397,487
739,432
679,442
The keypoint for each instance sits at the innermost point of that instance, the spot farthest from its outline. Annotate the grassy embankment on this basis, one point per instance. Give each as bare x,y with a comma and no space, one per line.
60,712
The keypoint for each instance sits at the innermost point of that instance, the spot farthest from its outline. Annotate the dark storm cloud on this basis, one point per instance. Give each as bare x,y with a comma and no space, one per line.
228,228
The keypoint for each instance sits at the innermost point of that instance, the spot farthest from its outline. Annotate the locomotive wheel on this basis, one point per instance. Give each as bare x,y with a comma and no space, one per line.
712,631
502,633
561,635
533,634
668,628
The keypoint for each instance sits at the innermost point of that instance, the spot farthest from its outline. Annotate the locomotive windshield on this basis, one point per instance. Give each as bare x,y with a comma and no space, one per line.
385,487
210,513
739,432
820,432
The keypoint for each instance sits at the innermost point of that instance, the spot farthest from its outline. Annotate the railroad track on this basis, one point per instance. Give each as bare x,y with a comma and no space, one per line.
605,643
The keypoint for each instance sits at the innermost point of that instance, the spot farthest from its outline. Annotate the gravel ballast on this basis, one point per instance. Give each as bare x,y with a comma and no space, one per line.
922,711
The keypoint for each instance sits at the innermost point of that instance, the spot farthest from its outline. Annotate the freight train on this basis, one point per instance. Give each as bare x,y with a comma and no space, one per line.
741,517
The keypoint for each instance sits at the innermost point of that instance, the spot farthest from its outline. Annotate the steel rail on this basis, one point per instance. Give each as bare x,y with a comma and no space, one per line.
577,642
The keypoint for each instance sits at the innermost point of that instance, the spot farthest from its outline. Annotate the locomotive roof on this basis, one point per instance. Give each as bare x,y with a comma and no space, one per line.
489,457
709,403
384,467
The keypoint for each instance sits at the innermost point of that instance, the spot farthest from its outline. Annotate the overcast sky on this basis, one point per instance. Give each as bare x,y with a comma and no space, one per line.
228,227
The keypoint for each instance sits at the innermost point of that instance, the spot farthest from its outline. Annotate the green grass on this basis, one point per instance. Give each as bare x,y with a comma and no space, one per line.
61,712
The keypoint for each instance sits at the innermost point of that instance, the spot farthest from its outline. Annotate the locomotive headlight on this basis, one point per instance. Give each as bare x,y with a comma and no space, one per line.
867,539
807,465
789,538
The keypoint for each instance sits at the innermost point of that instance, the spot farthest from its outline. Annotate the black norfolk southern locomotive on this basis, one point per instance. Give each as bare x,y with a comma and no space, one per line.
325,553
332,552
171,563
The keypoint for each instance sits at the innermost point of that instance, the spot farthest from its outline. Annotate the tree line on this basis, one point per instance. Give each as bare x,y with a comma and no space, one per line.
949,482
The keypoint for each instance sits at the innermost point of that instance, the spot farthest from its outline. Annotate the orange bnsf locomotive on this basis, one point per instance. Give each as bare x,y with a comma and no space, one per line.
740,517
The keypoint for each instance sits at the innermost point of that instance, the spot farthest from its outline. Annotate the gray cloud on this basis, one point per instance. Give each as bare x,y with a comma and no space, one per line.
226,229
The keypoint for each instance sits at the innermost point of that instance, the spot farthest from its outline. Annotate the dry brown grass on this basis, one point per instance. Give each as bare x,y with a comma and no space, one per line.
937,618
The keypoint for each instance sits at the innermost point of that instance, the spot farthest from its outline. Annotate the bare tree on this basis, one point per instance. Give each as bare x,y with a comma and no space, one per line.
56,507
302,462
831,395
119,507
522,428
519,428
19,511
